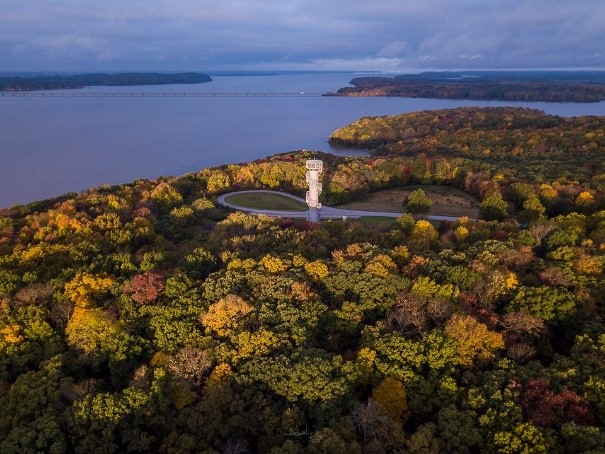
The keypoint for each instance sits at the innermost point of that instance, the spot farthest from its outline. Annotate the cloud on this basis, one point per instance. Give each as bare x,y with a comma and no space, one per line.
386,34
72,45
369,64
394,49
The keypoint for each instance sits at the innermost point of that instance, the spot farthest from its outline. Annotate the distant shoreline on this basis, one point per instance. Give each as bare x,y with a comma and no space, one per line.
485,86
57,82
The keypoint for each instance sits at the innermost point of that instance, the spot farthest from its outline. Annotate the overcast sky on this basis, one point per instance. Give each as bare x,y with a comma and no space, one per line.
389,35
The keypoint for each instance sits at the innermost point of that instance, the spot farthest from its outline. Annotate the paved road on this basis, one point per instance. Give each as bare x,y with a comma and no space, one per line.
325,212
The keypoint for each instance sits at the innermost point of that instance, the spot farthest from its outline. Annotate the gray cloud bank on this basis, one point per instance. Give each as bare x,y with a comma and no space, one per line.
389,35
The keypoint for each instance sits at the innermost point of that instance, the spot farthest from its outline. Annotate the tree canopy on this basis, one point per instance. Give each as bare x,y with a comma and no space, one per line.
145,318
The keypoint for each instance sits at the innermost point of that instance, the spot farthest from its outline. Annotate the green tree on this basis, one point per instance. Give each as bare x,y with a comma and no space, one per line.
493,207
524,438
32,417
200,263
311,378
166,196
532,210
459,430
405,222
417,203
580,438
26,339
106,422
544,302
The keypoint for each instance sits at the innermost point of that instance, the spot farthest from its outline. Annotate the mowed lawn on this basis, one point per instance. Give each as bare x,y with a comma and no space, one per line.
446,201
266,201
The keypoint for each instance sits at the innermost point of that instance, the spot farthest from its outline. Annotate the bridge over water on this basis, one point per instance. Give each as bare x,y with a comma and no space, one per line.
63,94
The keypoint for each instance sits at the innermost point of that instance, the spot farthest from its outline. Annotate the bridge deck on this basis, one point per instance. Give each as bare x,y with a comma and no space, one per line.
63,94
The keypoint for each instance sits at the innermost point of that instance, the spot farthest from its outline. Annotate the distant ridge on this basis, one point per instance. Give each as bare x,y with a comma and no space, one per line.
547,86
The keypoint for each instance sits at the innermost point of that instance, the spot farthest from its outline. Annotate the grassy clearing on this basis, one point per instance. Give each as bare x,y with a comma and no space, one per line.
266,201
446,201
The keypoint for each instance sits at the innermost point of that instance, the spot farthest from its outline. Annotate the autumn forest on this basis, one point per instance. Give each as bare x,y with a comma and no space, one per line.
144,317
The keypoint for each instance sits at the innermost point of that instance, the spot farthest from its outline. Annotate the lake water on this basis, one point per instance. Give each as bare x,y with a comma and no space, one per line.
49,146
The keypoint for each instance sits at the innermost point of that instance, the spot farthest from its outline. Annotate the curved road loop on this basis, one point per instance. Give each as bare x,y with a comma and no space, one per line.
324,213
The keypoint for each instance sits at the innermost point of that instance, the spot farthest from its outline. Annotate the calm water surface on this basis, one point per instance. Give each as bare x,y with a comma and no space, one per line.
49,146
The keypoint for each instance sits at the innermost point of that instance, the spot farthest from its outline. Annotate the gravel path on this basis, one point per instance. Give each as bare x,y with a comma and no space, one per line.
325,212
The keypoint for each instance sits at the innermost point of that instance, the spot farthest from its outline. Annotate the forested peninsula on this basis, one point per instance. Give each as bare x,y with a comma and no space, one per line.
144,317
57,82
480,85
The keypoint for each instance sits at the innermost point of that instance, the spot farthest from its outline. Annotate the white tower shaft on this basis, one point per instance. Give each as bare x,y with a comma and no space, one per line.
314,169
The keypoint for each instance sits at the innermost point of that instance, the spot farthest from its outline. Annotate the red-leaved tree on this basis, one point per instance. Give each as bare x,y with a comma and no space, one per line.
145,288
545,408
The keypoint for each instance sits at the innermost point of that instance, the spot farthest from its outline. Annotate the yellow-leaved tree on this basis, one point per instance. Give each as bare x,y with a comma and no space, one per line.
84,286
88,327
473,339
224,316
317,269
10,335
423,234
391,395
381,265
273,264
584,198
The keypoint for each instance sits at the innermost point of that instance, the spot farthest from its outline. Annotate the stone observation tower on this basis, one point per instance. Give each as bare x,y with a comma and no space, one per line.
314,169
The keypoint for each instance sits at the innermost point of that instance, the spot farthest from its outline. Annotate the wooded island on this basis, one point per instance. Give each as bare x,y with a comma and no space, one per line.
58,82
485,85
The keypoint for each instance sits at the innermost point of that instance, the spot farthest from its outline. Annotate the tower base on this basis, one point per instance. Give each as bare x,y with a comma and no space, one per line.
313,215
